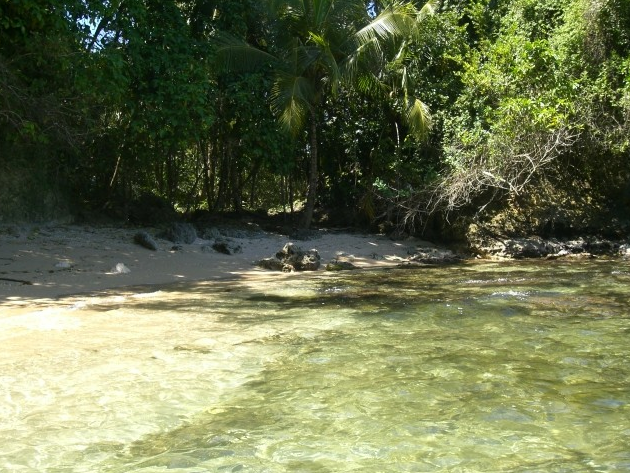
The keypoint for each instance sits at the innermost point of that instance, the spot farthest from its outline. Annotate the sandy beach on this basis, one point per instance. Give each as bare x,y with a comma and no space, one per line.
43,265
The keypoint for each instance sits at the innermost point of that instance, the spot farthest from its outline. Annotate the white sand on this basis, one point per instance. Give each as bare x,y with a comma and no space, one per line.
50,262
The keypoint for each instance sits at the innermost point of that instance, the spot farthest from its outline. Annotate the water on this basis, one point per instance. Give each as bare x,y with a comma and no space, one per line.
499,367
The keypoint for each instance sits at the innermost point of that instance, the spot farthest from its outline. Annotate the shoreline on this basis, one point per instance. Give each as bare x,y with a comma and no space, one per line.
61,263
68,262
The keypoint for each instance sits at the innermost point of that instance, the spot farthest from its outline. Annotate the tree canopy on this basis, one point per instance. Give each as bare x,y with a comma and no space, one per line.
400,113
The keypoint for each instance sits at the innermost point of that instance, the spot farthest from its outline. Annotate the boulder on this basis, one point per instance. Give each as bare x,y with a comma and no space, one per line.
485,243
272,264
339,265
533,247
145,240
292,258
226,246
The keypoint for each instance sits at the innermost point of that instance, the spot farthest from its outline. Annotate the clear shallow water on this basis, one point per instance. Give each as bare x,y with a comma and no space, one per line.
478,367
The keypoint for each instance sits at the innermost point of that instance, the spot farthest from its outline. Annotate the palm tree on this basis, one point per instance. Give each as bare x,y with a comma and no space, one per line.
318,45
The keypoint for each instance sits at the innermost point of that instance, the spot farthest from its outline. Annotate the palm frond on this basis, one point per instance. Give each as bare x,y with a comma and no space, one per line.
327,60
291,97
321,11
418,118
370,85
233,54
404,81
395,20
366,56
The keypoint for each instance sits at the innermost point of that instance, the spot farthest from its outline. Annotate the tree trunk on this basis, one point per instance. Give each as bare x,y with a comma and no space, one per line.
204,149
224,176
291,194
313,176
236,182
284,190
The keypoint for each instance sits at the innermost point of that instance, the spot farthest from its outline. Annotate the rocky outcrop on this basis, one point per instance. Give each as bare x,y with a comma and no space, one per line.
485,244
292,258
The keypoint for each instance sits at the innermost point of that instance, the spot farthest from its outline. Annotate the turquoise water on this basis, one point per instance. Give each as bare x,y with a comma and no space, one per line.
497,367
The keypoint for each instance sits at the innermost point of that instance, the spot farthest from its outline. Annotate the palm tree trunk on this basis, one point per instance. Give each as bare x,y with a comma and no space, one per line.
313,176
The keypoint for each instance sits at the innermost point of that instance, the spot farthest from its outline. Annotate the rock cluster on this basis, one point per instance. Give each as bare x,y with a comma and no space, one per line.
292,258
494,246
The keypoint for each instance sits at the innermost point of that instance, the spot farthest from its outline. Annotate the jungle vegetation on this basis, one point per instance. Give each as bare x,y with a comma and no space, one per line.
416,115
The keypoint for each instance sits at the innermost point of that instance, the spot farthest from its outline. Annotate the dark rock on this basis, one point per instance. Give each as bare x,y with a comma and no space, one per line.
533,247
484,243
298,258
272,264
221,247
599,246
145,240
574,246
292,258
225,246
177,248
434,256
180,233
337,265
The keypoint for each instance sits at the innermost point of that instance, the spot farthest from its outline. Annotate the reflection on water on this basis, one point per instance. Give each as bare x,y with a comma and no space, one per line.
518,367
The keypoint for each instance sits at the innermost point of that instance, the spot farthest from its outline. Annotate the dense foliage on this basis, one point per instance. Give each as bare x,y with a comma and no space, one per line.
371,112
